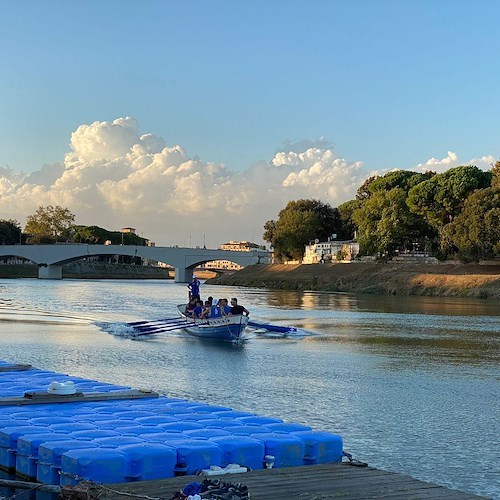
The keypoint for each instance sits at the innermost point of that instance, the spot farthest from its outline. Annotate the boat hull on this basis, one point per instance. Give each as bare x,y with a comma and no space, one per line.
225,328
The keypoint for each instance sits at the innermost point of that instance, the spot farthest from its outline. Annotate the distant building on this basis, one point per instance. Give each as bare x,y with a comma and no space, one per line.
235,246
241,246
327,251
127,230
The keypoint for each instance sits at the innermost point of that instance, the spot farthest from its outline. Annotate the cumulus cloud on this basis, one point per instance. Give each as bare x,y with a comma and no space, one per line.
115,177
451,160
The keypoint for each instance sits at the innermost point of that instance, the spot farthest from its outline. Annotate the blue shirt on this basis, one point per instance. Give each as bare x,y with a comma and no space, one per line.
194,286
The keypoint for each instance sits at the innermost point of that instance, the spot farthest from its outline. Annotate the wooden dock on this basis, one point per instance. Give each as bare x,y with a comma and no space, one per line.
312,482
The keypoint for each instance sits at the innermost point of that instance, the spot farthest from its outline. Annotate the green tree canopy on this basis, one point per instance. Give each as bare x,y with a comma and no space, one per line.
403,179
298,223
49,224
346,215
10,232
386,224
98,235
475,233
440,199
495,171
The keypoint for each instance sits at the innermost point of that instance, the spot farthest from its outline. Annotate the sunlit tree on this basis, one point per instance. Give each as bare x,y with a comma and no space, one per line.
49,225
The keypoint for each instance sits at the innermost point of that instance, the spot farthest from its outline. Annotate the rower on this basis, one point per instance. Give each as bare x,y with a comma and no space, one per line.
236,309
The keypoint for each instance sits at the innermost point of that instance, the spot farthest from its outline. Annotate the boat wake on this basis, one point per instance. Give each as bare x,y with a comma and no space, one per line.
10,312
120,329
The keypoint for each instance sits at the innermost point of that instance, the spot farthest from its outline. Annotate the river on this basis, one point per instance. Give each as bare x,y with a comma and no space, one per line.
410,383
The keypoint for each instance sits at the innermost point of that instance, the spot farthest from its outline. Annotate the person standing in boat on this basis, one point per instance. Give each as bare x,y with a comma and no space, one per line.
194,288
236,309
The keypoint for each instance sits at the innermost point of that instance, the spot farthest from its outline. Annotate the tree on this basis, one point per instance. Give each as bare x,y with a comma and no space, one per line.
269,230
386,224
440,199
98,235
298,223
404,179
495,171
10,232
49,225
346,215
475,233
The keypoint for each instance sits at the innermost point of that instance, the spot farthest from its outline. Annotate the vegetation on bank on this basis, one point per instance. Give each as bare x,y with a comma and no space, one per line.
452,280
55,224
455,214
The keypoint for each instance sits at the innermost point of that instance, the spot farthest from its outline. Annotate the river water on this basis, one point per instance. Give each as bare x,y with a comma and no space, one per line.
410,383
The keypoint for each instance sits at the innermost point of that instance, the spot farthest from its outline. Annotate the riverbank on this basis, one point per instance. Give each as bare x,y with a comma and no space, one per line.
98,270
445,280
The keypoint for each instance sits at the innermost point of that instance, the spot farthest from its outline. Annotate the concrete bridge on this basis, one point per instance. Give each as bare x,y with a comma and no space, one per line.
50,258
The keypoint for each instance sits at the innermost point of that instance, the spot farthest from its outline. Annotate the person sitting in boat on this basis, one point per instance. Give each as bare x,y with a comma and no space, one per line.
188,311
194,288
223,307
207,309
200,311
236,309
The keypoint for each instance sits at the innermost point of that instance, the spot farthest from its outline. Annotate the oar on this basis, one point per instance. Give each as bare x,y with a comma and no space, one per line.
166,329
273,328
159,325
137,323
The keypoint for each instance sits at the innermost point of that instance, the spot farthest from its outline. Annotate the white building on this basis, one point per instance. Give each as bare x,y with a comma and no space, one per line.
235,246
329,251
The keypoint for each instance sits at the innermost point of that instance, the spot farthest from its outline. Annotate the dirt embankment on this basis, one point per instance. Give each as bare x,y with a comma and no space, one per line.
452,280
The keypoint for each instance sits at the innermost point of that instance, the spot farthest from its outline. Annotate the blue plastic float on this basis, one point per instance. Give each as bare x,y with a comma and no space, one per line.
119,440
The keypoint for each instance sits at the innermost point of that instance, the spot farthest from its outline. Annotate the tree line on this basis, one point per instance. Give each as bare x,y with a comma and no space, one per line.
55,224
455,214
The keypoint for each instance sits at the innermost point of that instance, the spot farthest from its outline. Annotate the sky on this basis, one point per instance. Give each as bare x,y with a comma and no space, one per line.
199,120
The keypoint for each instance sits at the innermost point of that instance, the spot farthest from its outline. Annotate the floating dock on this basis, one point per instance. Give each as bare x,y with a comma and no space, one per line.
327,481
106,433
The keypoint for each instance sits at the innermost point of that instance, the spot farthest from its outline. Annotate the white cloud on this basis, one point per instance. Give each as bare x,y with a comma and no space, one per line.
438,165
114,177
104,139
451,160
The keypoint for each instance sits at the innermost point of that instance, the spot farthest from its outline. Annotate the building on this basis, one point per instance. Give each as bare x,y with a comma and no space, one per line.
128,230
330,251
241,246
235,246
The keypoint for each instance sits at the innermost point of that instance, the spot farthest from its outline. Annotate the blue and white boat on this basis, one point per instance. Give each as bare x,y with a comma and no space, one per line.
228,328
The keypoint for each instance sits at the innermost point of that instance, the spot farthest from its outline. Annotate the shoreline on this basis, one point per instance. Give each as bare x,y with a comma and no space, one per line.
98,270
480,281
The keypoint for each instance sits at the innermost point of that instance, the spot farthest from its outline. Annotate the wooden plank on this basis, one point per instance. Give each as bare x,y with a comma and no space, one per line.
28,485
14,368
33,398
309,482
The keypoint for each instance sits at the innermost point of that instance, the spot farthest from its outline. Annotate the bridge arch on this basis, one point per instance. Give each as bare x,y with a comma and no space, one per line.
51,258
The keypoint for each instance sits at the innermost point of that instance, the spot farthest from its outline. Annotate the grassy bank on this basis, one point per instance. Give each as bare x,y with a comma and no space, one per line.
446,280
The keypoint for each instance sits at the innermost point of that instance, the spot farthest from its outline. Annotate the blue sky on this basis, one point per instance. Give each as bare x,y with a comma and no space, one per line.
389,83
376,85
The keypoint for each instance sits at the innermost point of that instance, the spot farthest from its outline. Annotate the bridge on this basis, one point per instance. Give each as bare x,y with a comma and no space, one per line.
51,258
